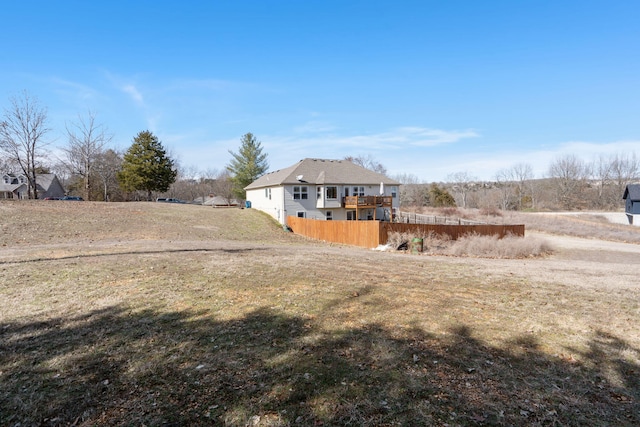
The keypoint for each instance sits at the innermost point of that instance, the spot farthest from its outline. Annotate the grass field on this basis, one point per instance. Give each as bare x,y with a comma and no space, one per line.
159,314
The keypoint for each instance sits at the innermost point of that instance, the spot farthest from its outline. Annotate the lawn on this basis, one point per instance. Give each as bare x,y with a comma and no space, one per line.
162,314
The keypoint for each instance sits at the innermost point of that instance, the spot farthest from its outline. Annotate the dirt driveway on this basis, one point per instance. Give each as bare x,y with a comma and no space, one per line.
590,263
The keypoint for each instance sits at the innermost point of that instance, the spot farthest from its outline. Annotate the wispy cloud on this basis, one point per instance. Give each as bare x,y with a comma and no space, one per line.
426,137
134,93
394,138
74,89
314,127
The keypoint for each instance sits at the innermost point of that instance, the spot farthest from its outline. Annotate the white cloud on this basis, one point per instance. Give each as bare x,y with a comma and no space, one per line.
314,127
317,133
486,164
426,137
74,89
134,93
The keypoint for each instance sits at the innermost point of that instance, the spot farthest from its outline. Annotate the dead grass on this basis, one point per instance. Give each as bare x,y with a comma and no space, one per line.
229,320
510,247
586,226
473,245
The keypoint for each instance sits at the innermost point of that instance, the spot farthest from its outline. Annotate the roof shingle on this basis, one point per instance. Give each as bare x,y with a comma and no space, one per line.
320,172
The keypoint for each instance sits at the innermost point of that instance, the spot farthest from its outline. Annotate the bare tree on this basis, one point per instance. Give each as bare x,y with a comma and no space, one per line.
462,184
368,162
413,192
7,165
625,169
87,140
569,175
223,186
106,167
22,133
505,187
602,169
522,175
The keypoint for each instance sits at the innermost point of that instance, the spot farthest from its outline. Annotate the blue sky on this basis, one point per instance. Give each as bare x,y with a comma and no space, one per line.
428,88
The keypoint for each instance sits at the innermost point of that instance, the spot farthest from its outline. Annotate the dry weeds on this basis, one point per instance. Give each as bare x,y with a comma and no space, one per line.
155,314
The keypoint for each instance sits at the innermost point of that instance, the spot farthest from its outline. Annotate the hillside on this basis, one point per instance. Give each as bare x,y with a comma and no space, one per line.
161,314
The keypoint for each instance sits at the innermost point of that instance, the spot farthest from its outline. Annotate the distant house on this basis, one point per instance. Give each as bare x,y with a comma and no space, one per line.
219,201
325,189
15,186
632,201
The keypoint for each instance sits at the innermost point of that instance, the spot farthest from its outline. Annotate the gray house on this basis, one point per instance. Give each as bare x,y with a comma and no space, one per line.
14,186
632,201
325,189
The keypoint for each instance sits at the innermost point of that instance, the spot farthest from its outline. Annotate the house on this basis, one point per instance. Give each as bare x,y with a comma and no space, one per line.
325,189
15,186
219,201
632,201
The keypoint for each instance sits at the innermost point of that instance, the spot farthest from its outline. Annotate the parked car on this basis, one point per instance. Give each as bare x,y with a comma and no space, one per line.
75,198
161,199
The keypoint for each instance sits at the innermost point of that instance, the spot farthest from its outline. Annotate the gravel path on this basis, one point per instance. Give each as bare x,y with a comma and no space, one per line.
588,263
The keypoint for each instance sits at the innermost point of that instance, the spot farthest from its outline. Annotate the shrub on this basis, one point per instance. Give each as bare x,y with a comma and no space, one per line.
493,247
474,245
492,211
400,240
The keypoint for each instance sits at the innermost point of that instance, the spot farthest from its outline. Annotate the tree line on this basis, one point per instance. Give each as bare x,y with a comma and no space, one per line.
570,183
90,167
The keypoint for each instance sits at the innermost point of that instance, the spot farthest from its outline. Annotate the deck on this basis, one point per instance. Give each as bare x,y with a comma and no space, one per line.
364,202
367,202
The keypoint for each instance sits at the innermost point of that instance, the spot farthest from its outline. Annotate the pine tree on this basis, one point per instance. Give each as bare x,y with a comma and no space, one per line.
440,197
249,164
146,166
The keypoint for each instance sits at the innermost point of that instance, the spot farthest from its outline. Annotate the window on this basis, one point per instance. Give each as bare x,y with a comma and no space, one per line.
318,193
328,215
351,215
358,191
301,214
267,193
332,193
394,191
300,192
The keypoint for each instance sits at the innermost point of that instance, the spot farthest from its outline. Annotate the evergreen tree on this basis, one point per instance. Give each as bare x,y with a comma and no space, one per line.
440,197
249,164
146,166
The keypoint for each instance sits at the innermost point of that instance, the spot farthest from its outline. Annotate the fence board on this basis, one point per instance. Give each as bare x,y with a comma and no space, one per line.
453,231
371,234
357,233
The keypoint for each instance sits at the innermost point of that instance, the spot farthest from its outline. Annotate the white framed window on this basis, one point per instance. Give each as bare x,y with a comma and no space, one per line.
318,193
300,192
358,191
332,193
328,215
301,214
394,191
267,193
351,216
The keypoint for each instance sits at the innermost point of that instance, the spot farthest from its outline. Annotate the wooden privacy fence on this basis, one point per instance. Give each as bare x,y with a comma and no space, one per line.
371,234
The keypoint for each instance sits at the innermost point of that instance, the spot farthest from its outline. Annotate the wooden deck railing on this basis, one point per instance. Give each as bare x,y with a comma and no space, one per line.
367,201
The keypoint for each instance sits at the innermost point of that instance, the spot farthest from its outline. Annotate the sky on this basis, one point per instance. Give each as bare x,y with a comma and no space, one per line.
426,88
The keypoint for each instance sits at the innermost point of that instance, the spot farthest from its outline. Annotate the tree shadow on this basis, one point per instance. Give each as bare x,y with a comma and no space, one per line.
131,253
120,367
